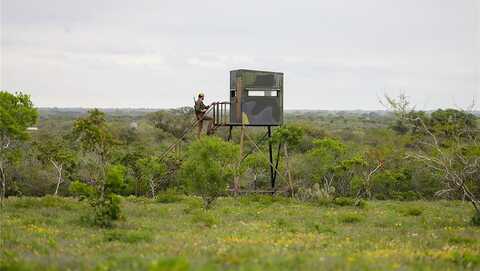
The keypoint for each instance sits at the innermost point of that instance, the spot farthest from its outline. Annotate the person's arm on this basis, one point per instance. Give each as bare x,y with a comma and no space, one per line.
204,107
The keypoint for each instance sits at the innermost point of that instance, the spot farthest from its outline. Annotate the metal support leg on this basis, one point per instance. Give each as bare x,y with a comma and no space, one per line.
230,133
278,159
272,177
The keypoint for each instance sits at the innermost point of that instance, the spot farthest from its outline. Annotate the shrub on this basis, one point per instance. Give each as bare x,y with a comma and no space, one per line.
320,228
107,209
322,196
281,223
204,217
81,190
192,204
265,200
169,196
467,259
209,168
127,236
412,211
350,218
103,198
405,196
24,202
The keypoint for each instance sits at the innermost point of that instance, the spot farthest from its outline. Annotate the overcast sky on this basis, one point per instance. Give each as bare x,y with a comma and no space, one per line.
336,54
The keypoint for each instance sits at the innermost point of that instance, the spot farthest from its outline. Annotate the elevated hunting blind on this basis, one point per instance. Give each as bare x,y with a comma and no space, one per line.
256,98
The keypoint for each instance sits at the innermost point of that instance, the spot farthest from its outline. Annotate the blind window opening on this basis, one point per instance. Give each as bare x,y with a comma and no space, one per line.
262,93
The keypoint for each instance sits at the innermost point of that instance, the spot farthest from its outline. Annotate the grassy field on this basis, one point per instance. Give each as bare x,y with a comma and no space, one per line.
249,233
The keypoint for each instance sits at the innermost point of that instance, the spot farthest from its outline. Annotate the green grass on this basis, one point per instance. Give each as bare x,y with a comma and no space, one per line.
248,233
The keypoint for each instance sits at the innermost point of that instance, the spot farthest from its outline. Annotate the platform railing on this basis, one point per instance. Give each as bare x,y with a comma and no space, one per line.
221,113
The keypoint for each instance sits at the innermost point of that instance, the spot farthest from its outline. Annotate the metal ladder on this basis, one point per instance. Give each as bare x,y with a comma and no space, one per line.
221,117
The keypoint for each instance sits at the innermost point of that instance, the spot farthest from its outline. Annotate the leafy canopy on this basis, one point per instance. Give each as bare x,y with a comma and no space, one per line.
151,169
93,133
16,115
54,149
209,168
291,135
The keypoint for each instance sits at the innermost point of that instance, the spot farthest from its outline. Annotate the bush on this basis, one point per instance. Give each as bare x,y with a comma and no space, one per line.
412,211
107,209
209,168
265,200
320,228
103,198
467,259
405,196
204,217
192,205
169,196
127,236
23,202
350,218
81,190
322,196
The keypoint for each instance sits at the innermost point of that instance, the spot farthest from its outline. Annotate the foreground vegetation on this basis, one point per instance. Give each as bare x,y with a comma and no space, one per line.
246,233
111,194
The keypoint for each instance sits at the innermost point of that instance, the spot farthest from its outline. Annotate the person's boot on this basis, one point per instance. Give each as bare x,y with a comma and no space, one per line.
211,129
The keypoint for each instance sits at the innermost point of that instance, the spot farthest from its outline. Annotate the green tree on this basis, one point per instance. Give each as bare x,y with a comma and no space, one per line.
94,136
130,160
452,122
323,161
151,169
450,149
209,167
16,115
97,142
174,121
56,152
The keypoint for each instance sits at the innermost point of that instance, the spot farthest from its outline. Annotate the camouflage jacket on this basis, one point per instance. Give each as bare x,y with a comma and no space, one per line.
200,106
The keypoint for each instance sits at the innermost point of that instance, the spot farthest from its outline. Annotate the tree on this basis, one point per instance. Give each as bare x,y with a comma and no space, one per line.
16,115
130,161
451,123
97,142
369,165
55,151
331,164
209,166
173,121
324,157
94,136
450,148
151,169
